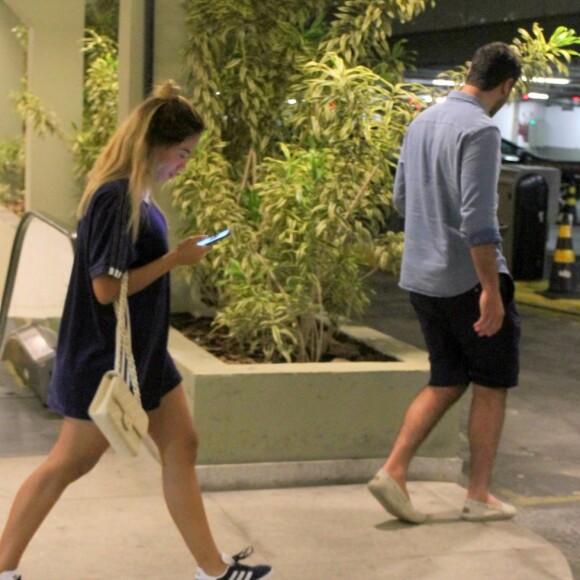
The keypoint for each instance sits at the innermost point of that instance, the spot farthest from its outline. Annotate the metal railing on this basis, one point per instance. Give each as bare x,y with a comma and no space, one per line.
15,254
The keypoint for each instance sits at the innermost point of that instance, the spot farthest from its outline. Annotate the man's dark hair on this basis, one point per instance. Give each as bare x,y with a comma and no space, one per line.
492,65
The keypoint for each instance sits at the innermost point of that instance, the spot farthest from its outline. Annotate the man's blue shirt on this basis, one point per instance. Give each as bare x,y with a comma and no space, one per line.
446,187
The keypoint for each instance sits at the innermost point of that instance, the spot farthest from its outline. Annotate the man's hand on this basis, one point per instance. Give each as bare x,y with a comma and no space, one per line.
491,315
491,310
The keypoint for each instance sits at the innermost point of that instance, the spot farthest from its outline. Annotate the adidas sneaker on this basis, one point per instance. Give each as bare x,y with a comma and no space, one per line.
10,576
238,571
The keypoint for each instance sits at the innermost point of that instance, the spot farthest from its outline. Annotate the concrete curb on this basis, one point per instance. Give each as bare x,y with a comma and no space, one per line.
316,473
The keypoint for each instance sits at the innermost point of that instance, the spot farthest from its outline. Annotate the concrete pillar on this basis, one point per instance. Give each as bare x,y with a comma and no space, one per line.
11,71
170,36
131,55
55,75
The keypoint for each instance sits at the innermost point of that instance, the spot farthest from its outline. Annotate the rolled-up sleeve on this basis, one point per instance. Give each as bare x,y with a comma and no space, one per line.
480,166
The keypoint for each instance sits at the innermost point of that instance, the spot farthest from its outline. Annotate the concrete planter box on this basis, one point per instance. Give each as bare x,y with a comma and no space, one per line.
274,425
264,425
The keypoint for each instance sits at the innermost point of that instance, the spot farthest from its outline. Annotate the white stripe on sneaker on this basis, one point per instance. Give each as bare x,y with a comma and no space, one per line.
241,575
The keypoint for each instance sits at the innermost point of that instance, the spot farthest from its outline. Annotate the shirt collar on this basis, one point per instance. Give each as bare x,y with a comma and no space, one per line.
461,96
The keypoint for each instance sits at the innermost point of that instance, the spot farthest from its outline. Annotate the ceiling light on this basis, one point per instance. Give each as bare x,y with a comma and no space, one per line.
538,96
443,82
551,81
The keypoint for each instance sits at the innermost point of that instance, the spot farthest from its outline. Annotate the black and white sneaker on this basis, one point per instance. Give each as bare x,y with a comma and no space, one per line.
10,576
237,571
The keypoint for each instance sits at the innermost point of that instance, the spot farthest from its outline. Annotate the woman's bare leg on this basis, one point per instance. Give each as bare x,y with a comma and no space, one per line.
78,448
171,428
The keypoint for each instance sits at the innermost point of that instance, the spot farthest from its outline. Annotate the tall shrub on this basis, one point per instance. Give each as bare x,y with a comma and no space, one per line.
306,108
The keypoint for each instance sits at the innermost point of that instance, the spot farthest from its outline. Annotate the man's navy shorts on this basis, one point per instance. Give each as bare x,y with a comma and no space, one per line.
457,354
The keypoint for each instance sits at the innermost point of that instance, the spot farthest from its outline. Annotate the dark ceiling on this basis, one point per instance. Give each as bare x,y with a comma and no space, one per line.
449,34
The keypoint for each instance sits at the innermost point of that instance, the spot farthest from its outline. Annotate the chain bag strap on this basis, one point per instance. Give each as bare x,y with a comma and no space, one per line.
124,360
116,407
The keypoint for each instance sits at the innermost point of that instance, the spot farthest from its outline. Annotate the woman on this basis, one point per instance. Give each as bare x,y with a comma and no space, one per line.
120,228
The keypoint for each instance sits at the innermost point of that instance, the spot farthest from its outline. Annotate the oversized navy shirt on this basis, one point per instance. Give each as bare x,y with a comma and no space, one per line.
446,187
86,343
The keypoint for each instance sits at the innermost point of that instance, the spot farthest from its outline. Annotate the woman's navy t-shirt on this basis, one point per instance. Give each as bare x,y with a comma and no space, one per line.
86,342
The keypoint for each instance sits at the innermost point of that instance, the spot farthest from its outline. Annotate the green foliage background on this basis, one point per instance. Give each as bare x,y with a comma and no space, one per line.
101,89
306,109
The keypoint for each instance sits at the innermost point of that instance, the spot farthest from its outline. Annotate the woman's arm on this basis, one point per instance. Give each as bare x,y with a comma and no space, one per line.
186,253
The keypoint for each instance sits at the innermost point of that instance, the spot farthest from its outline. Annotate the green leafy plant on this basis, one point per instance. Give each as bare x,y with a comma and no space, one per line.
31,109
101,89
303,155
12,174
360,30
541,57
12,159
306,108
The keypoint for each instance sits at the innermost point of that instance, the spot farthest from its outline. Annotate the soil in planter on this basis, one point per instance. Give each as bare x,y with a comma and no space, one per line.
342,348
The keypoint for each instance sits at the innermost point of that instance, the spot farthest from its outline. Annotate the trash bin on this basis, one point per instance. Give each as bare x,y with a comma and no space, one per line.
31,350
528,200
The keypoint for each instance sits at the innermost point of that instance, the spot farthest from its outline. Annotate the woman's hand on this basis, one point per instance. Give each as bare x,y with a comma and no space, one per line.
187,252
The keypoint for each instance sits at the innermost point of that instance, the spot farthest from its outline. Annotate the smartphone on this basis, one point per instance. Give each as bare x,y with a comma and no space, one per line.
213,239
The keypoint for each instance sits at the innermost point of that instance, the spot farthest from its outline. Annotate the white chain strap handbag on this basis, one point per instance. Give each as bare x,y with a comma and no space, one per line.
116,407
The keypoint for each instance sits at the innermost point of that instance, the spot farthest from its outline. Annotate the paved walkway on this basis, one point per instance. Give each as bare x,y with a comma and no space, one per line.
113,524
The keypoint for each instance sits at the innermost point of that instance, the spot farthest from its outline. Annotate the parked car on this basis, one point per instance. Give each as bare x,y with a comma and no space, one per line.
568,163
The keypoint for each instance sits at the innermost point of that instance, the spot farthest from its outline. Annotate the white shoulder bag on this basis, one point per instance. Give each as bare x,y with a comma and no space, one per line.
116,407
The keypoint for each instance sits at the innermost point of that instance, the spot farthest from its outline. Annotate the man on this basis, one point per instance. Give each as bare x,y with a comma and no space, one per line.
458,281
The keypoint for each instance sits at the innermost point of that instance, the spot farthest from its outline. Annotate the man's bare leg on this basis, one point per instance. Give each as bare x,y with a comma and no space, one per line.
484,432
423,414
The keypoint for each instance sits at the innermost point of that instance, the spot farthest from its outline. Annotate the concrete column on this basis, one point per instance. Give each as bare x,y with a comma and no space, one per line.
11,71
131,58
55,75
170,36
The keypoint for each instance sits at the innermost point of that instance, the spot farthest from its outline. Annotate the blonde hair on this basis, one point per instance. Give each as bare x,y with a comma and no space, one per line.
164,119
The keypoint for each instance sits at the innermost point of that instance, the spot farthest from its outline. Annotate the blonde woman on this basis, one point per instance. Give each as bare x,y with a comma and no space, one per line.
120,228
